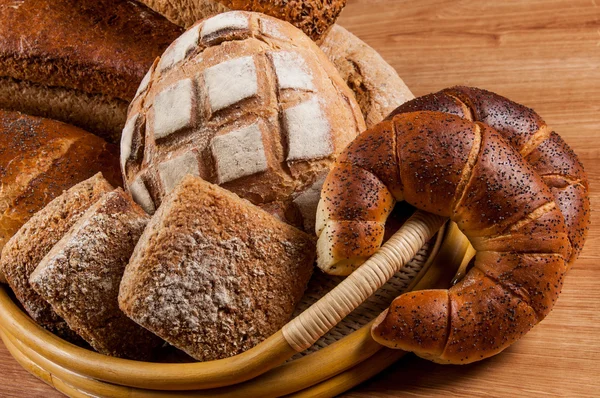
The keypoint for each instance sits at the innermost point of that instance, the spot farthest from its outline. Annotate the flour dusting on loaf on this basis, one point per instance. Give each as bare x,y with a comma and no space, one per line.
264,114
213,274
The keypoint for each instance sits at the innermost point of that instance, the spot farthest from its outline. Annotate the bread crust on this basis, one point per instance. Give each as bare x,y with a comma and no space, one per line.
260,111
80,277
214,275
527,132
39,159
470,173
26,249
314,17
375,83
102,46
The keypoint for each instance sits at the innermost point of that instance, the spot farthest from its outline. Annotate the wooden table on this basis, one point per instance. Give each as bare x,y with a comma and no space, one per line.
542,53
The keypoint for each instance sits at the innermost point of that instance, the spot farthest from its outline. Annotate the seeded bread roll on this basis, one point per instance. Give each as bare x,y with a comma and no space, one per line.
26,249
248,102
314,17
375,83
78,61
214,275
39,159
80,277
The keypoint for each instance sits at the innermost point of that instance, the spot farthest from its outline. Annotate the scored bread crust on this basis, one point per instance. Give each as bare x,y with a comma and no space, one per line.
314,17
375,83
26,249
244,100
39,159
80,277
214,275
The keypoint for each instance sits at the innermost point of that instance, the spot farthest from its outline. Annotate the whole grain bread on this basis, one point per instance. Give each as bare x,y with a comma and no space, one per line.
26,249
314,17
97,47
246,101
213,274
39,159
376,84
80,277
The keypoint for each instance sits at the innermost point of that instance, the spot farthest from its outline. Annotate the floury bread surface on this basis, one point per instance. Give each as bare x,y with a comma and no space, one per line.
245,101
80,277
26,249
213,274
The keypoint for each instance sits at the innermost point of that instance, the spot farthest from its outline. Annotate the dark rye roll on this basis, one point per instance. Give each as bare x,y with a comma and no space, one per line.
78,61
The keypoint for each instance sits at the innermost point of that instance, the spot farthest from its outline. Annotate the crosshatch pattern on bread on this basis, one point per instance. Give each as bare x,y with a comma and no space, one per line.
242,100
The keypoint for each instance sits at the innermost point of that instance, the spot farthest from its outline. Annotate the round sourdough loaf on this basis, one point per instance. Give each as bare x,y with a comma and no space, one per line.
248,102
314,17
376,84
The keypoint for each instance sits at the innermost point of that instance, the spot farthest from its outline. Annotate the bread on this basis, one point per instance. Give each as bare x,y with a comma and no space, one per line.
467,171
214,275
527,132
246,101
79,61
314,17
25,250
39,159
81,274
377,87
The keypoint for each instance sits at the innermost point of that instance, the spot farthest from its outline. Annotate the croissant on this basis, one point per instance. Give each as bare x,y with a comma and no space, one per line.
513,216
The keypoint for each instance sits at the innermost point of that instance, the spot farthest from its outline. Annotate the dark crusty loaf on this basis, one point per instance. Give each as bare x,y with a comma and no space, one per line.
39,159
80,277
214,275
25,250
98,48
314,17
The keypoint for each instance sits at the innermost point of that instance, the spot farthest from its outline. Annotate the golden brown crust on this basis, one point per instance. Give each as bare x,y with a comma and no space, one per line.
376,85
214,275
39,159
103,46
546,151
467,171
26,249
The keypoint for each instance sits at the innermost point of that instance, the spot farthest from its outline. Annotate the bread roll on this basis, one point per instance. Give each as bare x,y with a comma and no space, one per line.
214,275
314,17
78,61
527,132
39,159
26,249
81,274
246,101
377,87
467,171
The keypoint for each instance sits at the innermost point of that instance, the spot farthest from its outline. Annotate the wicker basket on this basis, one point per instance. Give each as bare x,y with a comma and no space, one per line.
344,354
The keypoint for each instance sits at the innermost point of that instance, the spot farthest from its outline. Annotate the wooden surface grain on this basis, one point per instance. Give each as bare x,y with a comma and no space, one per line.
542,53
